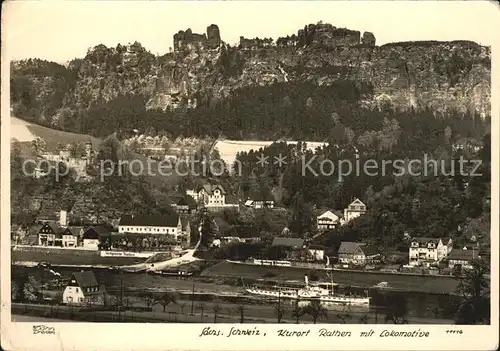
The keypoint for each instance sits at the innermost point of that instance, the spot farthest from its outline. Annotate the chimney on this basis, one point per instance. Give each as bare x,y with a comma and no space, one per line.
63,218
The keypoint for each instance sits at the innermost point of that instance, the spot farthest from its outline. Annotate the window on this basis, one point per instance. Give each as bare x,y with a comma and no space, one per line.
77,290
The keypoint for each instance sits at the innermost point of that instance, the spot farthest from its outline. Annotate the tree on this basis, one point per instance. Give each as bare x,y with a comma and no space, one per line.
280,311
447,134
363,319
201,306
207,232
39,145
474,289
166,299
15,293
297,312
344,317
182,305
241,310
216,308
301,221
148,298
316,310
32,290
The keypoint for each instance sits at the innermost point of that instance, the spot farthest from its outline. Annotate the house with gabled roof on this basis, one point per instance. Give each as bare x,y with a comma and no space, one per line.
50,234
317,252
185,205
258,200
294,243
94,235
169,225
428,251
241,233
355,209
212,197
357,253
462,257
328,220
83,289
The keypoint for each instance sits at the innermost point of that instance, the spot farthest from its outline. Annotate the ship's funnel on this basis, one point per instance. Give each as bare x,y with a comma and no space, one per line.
306,279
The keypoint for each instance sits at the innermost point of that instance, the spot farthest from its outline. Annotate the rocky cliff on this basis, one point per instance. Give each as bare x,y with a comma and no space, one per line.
201,69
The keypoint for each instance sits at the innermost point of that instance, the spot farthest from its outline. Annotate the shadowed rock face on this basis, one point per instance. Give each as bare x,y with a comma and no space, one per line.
213,36
435,75
368,39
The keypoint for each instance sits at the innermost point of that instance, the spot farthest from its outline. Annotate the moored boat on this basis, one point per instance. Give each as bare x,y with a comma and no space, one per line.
323,292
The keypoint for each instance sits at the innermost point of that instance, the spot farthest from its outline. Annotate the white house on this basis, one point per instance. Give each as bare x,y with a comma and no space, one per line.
171,225
70,238
92,237
83,288
213,197
354,210
428,251
357,253
462,258
257,200
444,247
51,234
317,251
328,220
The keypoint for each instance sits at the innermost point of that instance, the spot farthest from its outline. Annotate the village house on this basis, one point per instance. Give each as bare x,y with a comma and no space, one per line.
354,210
292,243
239,233
185,205
83,288
77,231
328,220
94,235
212,197
70,238
463,257
257,200
357,253
317,252
52,234
171,225
428,251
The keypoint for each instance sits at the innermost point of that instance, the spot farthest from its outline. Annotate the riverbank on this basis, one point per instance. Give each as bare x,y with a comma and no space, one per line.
401,282
31,256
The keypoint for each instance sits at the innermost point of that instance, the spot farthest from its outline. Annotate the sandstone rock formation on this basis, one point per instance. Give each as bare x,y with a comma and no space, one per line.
435,75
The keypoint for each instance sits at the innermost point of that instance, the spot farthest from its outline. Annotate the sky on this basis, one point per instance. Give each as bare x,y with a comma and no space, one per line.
62,30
